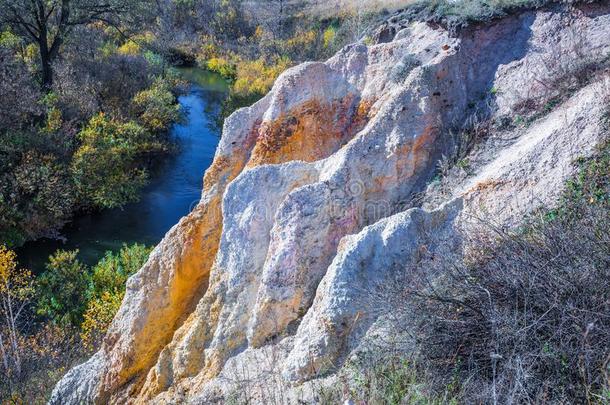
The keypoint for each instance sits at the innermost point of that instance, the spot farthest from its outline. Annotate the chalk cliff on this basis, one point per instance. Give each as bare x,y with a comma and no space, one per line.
312,197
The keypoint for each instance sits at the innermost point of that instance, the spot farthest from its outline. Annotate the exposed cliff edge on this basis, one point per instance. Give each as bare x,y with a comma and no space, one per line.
310,199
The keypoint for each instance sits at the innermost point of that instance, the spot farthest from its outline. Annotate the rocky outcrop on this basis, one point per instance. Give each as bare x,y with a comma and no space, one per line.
309,201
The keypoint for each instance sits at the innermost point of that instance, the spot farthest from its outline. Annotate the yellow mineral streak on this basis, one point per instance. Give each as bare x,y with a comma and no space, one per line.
199,235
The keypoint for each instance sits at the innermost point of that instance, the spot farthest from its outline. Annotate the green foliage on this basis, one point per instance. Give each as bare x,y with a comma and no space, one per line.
259,58
108,280
62,294
100,313
590,185
58,154
111,273
156,107
254,79
329,36
108,49
154,59
250,79
71,300
9,40
71,294
106,167
35,194
223,67
257,77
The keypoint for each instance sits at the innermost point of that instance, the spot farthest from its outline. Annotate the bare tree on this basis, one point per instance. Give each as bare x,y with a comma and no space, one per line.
18,92
272,15
48,23
16,290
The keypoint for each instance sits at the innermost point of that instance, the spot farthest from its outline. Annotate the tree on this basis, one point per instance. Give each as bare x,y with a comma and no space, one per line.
107,168
63,289
48,23
16,290
18,92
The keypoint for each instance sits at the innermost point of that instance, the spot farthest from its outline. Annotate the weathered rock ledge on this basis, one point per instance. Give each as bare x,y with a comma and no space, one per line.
308,202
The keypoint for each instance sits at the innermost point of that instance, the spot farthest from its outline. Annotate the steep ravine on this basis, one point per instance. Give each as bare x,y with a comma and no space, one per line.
306,202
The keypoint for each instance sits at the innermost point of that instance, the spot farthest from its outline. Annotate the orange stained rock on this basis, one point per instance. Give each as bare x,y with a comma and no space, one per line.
419,155
229,166
310,132
485,185
198,241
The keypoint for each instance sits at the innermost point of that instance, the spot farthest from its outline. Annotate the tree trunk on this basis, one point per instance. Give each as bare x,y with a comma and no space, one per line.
45,59
47,71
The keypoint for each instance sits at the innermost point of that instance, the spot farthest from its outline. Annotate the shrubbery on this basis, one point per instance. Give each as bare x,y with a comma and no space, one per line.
107,288
252,62
524,315
50,322
106,168
156,106
62,292
69,292
38,192
253,79
221,66
59,153
524,319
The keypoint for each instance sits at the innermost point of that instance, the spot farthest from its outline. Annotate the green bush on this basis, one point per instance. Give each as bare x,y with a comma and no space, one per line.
223,67
111,273
35,195
9,40
156,107
63,289
108,280
70,293
107,168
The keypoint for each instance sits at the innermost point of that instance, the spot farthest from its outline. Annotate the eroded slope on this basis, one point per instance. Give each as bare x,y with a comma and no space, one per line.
306,202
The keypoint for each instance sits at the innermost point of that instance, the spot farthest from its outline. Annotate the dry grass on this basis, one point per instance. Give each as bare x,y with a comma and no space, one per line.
524,317
335,7
330,8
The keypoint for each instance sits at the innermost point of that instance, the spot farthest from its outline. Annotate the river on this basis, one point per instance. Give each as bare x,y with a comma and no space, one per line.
175,187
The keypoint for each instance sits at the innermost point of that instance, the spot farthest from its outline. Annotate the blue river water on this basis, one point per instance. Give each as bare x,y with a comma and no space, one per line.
175,187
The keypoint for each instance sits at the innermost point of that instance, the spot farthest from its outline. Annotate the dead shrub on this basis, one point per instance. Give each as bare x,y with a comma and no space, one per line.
523,318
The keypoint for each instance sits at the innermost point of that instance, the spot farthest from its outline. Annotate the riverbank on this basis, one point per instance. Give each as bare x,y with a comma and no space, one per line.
175,186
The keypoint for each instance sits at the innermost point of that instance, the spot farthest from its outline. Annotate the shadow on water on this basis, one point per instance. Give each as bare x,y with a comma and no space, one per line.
175,187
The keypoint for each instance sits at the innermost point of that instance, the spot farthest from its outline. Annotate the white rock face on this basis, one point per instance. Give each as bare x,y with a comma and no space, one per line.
307,204
364,260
